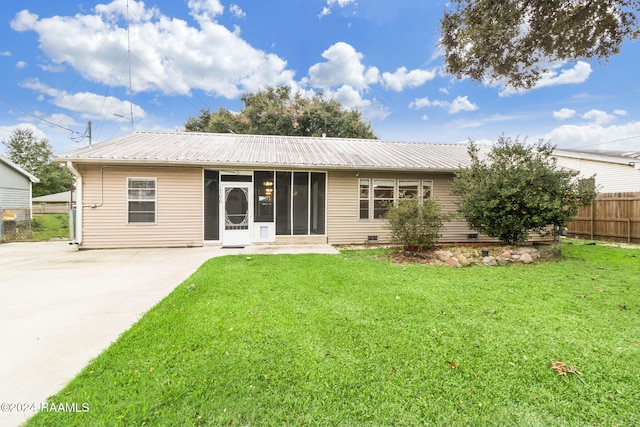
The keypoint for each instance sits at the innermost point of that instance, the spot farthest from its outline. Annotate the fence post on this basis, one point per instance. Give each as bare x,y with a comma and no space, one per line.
592,217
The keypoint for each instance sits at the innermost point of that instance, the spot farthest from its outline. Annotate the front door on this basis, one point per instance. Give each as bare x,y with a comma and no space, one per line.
236,221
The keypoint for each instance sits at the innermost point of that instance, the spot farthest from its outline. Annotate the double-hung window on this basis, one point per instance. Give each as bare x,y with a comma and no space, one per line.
383,196
141,200
376,196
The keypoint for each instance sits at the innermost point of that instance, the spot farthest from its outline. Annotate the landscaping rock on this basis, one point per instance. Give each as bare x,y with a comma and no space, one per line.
462,259
452,262
464,255
526,258
443,255
489,260
506,254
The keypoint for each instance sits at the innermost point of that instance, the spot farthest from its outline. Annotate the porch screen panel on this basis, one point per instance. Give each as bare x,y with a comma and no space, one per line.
283,203
211,205
300,203
318,203
263,189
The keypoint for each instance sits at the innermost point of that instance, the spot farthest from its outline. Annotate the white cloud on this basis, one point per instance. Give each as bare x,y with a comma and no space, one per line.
461,103
236,11
53,68
426,102
343,66
579,73
351,99
7,131
90,105
401,79
20,65
341,3
168,55
564,113
5,53
597,137
205,9
598,117
620,112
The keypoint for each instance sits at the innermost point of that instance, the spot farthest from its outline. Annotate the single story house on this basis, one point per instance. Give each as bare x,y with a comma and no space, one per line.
161,189
15,190
615,171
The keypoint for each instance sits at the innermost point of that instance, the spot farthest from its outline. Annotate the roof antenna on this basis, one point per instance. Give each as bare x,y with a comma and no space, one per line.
129,57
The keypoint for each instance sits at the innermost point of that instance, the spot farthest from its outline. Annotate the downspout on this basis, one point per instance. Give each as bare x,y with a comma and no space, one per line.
79,206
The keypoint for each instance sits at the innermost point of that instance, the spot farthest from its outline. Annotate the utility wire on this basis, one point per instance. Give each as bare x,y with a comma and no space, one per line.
75,134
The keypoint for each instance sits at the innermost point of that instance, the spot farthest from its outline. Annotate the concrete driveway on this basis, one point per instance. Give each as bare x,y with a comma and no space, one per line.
60,307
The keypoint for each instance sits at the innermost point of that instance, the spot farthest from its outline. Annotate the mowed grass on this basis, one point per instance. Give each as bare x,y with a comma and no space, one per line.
50,226
355,340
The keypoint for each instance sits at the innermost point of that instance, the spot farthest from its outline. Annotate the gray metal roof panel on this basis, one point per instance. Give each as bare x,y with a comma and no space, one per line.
255,150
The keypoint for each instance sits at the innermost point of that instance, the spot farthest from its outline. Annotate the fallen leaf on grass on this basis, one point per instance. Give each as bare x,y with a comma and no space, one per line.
452,364
563,369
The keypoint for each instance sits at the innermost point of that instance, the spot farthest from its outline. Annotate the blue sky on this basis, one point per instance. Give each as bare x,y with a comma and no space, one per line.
68,62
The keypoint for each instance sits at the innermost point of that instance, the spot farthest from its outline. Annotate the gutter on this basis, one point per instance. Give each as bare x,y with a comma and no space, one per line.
242,166
79,207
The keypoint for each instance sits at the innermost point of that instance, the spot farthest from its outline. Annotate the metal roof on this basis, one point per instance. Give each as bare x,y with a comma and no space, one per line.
629,158
234,150
18,169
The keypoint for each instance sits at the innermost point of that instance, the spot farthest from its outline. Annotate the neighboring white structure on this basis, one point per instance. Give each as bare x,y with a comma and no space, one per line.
15,186
615,172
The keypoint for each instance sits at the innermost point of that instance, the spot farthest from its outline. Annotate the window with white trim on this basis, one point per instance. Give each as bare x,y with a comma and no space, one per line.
383,196
408,188
363,197
375,196
427,189
141,200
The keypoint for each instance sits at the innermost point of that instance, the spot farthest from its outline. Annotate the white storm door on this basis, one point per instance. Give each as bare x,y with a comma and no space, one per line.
236,218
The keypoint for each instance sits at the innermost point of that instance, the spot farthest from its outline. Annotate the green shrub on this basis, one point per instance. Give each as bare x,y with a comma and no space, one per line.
416,224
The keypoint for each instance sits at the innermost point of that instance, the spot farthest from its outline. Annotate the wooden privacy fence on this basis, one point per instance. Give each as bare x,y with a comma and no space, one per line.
612,216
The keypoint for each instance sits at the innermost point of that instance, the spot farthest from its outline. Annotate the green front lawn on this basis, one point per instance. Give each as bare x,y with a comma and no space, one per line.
352,339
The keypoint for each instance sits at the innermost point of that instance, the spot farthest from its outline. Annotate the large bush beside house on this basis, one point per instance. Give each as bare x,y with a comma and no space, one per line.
416,224
518,190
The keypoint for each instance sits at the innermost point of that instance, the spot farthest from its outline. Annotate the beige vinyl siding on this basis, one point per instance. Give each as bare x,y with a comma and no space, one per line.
345,227
178,207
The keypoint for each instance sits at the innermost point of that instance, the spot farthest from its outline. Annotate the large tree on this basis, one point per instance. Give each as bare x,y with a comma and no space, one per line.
274,111
36,157
517,189
515,41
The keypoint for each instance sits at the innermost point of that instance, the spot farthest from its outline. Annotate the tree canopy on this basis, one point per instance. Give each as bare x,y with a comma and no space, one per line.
517,40
36,157
274,111
517,190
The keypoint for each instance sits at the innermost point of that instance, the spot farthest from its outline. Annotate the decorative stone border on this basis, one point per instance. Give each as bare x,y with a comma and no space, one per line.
461,256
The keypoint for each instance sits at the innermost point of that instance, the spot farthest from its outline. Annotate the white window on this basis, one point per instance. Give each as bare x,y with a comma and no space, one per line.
363,197
375,196
383,196
408,188
427,189
141,200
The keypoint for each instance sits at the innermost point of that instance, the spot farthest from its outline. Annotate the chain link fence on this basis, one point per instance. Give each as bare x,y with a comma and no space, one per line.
16,225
